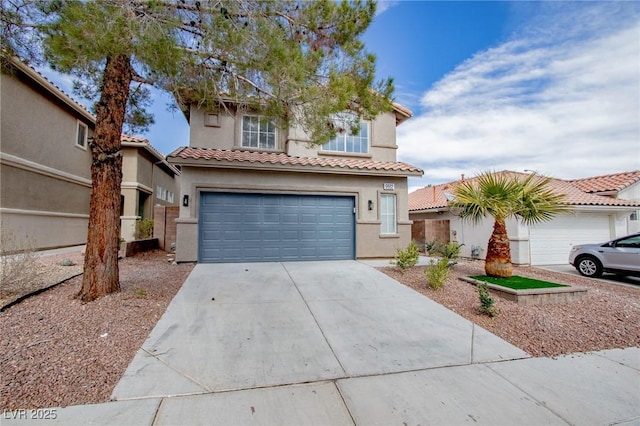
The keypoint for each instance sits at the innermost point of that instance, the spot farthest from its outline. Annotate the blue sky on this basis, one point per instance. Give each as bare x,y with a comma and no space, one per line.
547,86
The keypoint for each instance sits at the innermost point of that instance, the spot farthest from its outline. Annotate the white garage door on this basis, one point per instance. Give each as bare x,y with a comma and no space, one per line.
550,242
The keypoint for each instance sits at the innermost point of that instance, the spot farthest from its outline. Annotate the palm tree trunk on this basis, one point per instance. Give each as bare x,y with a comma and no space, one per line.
498,260
101,274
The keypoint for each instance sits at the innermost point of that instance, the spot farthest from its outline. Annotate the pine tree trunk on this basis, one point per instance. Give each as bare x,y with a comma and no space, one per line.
498,260
101,274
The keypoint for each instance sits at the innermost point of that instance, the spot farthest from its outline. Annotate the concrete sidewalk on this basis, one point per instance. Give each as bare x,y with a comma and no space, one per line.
333,343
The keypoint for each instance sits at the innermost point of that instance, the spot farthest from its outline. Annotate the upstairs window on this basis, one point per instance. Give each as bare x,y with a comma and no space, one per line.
258,132
345,141
82,133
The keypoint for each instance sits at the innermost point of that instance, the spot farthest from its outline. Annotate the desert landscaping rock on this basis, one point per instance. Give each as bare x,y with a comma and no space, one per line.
56,351
609,316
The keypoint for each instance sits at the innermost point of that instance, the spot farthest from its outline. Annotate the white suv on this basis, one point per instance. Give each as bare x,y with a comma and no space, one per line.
620,256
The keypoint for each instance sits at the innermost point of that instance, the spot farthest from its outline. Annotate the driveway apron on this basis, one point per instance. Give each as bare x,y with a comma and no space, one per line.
243,326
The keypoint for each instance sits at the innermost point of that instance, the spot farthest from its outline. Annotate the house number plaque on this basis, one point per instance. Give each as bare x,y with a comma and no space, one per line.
389,186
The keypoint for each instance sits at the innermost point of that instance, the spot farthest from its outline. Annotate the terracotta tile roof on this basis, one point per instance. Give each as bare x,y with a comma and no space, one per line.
282,159
608,183
430,197
129,138
433,197
143,141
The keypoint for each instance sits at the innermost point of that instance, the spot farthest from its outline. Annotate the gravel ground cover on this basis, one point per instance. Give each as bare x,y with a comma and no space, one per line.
609,317
36,273
55,351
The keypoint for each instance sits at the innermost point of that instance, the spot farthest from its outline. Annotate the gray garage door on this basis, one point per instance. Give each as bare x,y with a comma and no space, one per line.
275,227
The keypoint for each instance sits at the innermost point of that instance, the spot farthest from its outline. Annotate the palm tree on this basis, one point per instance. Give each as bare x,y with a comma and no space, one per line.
503,195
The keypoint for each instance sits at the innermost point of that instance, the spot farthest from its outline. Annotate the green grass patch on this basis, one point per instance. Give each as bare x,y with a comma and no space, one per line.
516,282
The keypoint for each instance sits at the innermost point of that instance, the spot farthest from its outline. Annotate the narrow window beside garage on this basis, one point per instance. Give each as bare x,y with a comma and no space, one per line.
388,223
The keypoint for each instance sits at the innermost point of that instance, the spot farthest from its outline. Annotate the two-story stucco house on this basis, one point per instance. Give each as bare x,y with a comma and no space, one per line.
45,173
148,180
254,192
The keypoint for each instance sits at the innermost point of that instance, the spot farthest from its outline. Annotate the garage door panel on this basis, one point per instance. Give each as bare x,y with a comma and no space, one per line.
308,219
271,218
306,235
270,236
271,227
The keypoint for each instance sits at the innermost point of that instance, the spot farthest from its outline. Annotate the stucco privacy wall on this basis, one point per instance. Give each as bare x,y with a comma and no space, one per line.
369,242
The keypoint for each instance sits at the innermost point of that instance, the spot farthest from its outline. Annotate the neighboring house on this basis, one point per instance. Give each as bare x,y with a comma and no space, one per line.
45,173
625,186
45,162
595,218
253,192
148,180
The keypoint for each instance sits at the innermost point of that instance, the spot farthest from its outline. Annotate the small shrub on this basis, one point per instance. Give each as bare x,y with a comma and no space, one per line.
19,268
144,229
408,257
67,262
437,273
450,250
431,246
486,301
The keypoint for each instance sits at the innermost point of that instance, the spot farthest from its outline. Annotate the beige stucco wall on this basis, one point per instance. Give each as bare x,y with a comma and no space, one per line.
168,181
45,178
369,242
226,134
37,128
141,176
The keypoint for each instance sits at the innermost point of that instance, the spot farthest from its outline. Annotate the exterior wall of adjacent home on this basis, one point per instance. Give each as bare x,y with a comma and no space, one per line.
633,220
369,241
222,130
612,224
141,176
45,177
477,235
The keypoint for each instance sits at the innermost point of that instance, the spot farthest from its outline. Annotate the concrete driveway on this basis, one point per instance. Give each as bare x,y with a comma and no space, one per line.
606,277
341,343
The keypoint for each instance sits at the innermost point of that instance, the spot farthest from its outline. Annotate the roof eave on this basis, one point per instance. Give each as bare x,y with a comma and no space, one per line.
601,208
402,114
430,210
161,159
248,165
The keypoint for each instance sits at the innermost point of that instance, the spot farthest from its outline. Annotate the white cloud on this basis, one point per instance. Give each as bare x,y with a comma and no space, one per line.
383,6
561,98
